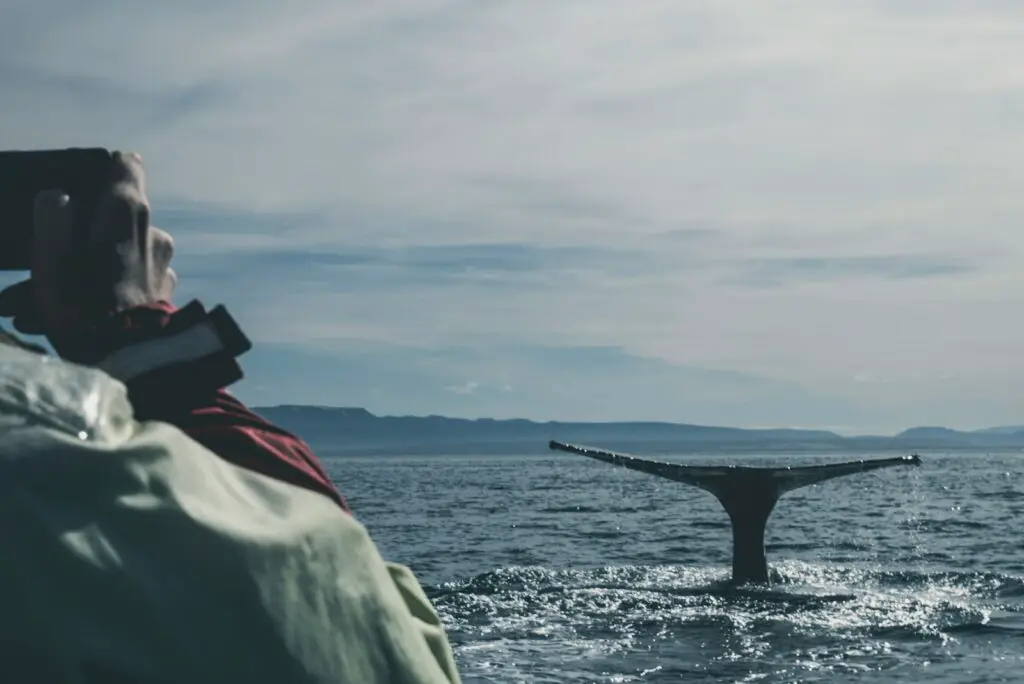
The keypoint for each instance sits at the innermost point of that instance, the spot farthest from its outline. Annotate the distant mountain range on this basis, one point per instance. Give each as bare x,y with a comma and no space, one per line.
357,431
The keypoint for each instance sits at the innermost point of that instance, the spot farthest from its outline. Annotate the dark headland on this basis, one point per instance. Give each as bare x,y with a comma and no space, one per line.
357,431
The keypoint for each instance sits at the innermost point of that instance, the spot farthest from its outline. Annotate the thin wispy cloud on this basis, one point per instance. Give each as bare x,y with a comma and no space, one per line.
778,271
796,192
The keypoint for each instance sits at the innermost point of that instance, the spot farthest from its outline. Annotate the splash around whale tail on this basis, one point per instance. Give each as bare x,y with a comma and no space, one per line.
748,494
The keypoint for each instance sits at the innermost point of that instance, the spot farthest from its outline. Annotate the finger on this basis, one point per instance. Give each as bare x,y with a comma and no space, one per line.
168,285
128,169
123,212
162,248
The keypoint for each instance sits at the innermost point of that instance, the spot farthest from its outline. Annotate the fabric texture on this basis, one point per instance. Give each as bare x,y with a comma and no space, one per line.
132,553
191,396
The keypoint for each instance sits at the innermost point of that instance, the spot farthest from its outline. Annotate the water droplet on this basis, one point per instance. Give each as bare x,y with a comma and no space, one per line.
82,434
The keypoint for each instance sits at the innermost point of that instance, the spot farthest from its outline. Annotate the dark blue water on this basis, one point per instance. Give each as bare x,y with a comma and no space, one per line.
558,569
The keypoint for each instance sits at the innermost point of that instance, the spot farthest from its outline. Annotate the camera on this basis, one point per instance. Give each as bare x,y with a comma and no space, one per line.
81,173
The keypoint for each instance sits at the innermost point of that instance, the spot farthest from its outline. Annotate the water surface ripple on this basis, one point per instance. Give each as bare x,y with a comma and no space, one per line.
560,569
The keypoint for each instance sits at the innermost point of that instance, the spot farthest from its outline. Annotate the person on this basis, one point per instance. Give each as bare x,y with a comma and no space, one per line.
154,527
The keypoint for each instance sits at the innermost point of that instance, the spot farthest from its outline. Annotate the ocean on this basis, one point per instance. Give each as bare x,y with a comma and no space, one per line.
556,568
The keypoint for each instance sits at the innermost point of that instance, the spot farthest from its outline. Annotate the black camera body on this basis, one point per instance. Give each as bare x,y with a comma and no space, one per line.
81,173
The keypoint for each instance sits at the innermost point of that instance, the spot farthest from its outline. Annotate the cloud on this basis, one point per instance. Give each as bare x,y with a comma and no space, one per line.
778,271
467,388
567,383
802,192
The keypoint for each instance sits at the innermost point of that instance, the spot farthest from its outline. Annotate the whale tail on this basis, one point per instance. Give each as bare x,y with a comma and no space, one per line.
748,494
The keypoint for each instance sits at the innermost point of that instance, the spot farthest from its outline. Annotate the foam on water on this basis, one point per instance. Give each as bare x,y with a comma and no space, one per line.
818,620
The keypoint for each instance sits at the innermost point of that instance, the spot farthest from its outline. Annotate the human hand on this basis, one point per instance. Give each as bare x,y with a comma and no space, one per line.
125,263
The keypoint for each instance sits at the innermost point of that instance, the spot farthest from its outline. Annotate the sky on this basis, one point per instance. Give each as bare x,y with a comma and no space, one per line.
794,213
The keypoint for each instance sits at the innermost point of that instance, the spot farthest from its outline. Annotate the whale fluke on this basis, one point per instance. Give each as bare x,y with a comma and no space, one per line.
747,493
